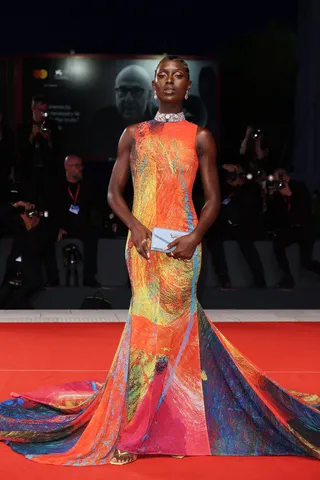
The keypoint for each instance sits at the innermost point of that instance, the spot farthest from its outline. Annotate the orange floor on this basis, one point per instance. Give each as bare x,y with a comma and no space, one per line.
45,354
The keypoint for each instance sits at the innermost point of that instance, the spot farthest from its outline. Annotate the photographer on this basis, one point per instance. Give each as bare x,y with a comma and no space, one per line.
238,220
289,213
23,275
37,145
254,157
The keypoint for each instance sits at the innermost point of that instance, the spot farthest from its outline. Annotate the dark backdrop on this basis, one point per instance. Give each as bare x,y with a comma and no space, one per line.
78,88
307,135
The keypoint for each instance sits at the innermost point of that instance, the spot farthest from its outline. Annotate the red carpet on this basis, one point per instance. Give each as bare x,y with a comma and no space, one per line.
44,354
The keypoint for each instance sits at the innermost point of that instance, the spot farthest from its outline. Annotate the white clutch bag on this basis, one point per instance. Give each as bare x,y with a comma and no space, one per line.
161,237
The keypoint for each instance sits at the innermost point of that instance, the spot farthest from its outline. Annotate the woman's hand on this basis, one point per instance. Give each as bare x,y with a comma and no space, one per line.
141,238
185,247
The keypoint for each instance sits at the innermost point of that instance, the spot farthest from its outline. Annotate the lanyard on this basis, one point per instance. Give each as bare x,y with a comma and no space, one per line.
288,201
74,198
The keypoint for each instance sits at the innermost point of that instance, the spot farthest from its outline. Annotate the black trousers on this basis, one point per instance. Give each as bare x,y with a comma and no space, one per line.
89,237
16,298
243,235
305,237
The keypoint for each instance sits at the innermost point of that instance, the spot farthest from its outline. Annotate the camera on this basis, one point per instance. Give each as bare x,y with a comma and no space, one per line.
15,280
256,133
273,184
32,213
17,194
44,126
36,213
233,176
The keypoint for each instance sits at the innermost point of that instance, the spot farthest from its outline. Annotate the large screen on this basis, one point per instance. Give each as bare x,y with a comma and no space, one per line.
94,98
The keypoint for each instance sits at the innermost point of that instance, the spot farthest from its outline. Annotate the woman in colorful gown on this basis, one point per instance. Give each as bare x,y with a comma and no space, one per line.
176,385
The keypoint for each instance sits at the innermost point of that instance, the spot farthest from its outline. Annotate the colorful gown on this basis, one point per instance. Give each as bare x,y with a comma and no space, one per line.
176,385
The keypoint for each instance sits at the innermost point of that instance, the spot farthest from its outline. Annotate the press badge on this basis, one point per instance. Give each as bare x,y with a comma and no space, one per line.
74,209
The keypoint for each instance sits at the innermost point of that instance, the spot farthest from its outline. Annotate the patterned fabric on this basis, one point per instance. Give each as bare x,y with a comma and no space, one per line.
176,385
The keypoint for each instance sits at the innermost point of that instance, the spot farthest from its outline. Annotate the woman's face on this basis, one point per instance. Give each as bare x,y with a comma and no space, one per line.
171,82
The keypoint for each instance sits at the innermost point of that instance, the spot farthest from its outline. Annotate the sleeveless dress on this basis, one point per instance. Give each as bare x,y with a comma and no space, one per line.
176,385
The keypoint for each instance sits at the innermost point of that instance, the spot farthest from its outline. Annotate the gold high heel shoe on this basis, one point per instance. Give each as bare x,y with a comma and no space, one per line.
177,456
118,455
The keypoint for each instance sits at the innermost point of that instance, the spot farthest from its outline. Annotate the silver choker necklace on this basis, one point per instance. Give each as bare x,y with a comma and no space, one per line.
169,117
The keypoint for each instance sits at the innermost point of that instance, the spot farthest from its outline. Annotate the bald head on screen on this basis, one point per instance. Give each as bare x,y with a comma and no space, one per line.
133,93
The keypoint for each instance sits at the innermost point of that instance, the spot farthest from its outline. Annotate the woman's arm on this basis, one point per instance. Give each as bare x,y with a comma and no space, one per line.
119,177
207,153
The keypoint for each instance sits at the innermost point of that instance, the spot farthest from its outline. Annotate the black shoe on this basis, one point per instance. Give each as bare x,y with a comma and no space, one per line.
91,282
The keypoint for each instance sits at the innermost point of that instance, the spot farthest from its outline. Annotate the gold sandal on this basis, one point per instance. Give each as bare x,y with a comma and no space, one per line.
177,456
118,455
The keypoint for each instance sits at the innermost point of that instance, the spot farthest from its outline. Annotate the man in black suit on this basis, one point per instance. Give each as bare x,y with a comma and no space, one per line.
37,145
289,211
77,210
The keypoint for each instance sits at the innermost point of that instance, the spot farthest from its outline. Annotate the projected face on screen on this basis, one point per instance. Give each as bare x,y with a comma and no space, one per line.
133,92
94,99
